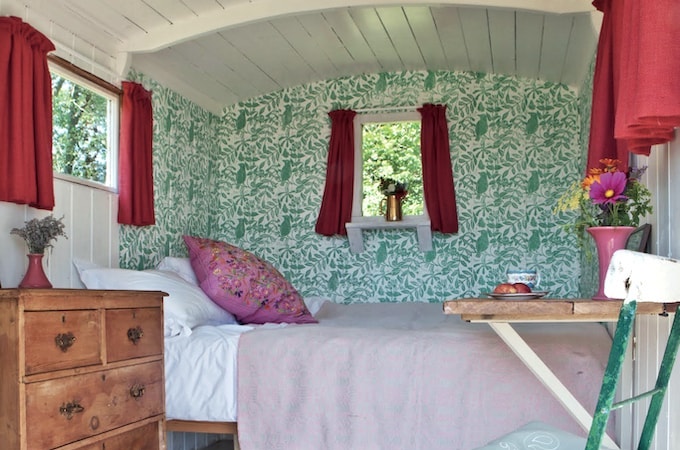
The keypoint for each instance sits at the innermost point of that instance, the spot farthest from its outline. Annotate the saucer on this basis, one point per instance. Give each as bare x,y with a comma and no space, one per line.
517,295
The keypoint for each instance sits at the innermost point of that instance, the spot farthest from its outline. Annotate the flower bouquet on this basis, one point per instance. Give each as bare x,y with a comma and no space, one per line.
606,197
389,186
394,192
610,204
39,233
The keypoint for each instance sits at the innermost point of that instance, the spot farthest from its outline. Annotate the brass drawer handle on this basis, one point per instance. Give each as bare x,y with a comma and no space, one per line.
135,334
137,390
69,409
64,340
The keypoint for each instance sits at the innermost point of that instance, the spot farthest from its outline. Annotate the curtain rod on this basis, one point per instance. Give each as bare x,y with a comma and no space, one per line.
387,109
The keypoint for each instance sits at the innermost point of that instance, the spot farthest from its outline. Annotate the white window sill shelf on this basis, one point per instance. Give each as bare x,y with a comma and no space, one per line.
358,224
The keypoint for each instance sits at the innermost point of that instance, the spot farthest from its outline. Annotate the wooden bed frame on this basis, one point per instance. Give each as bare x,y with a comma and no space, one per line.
194,426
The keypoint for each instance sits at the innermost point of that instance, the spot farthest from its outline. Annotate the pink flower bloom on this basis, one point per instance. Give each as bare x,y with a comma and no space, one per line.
609,189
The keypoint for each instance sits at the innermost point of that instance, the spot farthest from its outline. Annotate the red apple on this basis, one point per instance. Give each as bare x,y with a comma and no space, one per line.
522,288
505,288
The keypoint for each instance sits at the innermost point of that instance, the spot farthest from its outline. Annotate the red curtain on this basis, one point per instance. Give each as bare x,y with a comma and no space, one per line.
438,189
336,206
636,84
135,167
25,115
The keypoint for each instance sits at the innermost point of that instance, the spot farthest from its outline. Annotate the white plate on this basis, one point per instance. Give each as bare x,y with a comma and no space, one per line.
518,296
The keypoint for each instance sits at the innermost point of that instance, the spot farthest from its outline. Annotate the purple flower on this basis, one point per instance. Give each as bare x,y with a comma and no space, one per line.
609,189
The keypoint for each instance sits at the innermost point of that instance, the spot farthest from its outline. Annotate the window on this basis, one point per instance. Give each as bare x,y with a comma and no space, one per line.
388,146
85,126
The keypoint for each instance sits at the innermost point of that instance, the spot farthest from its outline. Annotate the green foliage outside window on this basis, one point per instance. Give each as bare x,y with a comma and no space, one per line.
392,150
79,140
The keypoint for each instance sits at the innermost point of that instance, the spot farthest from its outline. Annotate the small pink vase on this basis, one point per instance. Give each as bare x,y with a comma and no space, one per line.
607,240
35,277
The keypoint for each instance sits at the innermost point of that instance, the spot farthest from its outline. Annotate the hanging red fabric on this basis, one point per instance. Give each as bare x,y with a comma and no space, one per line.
438,189
636,84
25,115
336,206
135,166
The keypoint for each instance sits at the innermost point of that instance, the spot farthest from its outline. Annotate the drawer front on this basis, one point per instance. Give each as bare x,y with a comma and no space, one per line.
61,340
146,437
133,333
73,408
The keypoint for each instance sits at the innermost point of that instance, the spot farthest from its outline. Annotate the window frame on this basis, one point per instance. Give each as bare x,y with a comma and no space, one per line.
114,94
359,121
420,223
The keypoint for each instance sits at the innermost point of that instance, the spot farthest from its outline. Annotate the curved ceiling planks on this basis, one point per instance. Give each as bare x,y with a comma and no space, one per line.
219,52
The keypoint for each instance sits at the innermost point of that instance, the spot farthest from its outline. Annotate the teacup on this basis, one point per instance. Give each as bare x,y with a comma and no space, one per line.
527,276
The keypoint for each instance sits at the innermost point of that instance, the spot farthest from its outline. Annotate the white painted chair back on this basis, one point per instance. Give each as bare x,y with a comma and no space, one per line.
643,277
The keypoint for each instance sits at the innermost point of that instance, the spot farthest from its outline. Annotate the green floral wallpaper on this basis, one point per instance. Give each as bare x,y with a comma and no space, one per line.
185,140
589,267
255,178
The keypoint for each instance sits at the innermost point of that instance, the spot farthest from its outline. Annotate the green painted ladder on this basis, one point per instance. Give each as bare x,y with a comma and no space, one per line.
606,404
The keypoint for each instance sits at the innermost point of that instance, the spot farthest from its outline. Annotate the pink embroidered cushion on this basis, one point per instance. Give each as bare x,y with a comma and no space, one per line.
245,285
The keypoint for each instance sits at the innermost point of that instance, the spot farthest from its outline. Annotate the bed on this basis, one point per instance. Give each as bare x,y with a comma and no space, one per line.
359,376
376,376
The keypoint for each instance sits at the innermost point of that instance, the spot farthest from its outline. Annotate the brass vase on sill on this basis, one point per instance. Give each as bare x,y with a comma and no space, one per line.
392,206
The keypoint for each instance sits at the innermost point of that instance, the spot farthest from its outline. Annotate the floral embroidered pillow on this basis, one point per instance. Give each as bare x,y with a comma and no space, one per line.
245,285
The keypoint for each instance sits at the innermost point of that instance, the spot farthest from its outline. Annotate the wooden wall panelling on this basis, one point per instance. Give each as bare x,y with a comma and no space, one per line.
663,178
673,189
90,217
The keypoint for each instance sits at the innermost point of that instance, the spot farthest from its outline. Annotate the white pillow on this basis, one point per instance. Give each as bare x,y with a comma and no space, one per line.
314,304
186,306
180,266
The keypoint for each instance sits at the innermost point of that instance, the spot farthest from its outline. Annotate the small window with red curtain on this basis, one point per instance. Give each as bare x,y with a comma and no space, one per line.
85,117
387,161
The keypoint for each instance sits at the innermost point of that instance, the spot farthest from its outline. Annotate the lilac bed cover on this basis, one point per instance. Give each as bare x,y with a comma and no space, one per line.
396,376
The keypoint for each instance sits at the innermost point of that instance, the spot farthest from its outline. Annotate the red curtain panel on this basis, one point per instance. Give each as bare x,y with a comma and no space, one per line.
336,206
135,166
636,84
438,188
25,115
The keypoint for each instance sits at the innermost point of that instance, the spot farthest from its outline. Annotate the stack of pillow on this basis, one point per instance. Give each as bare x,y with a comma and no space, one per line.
218,284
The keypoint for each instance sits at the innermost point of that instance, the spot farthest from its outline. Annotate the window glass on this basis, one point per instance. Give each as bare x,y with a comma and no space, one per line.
390,149
85,128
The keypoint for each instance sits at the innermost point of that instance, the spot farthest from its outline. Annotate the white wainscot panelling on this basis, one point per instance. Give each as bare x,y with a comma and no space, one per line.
652,333
90,218
663,179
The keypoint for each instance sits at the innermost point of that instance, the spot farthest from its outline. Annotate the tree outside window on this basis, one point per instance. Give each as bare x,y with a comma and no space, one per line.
391,150
85,128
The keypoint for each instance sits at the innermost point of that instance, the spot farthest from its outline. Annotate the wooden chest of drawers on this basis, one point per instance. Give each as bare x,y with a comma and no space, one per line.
81,369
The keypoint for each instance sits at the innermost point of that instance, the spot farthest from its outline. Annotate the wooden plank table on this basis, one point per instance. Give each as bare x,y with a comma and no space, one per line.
500,314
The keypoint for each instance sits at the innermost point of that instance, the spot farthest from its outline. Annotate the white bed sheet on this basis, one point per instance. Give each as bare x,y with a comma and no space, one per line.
195,376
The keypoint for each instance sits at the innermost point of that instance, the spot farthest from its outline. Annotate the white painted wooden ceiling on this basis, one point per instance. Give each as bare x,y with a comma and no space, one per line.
219,52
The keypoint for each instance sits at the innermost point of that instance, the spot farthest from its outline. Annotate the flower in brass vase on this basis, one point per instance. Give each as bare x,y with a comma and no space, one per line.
39,233
606,197
389,186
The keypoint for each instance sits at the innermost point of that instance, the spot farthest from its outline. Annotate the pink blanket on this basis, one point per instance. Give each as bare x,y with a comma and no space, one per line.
404,376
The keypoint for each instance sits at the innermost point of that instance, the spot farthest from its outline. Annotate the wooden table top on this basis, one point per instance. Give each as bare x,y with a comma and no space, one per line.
546,309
